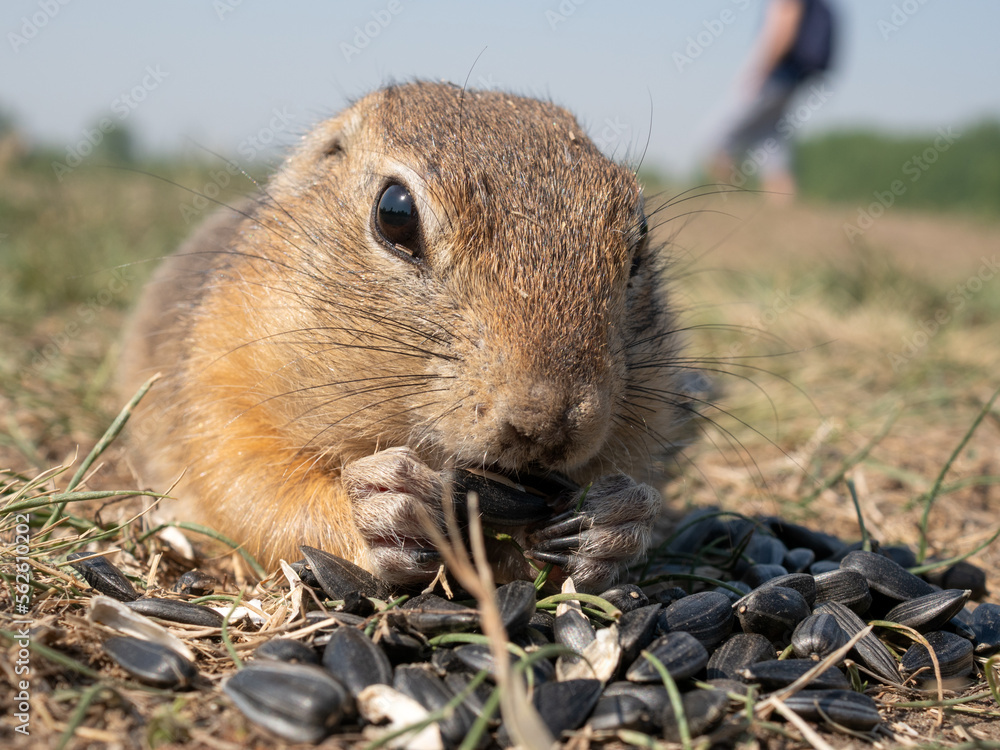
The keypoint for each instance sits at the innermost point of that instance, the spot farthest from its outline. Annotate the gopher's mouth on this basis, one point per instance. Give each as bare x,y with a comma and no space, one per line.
509,501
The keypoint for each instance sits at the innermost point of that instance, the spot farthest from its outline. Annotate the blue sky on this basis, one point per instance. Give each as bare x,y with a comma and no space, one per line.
228,74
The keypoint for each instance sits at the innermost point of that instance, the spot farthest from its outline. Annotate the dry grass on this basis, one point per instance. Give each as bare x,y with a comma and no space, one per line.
801,319
822,318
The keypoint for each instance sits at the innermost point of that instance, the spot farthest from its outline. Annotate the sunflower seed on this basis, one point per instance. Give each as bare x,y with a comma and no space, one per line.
757,575
870,650
544,623
778,673
954,655
176,611
626,597
695,530
849,709
475,701
196,583
885,576
339,577
432,693
478,656
620,712
763,549
379,703
298,702
848,587
598,661
708,616
703,710
824,566
403,648
352,658
928,613
900,554
636,630
793,535
500,503
681,654
150,662
739,651
286,649
115,615
654,695
804,583
772,611
961,575
432,615
985,623
734,597
516,602
104,577
563,706
799,559
818,636
668,596
573,628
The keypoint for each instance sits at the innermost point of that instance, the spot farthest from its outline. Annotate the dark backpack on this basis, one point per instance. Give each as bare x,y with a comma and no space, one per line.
813,47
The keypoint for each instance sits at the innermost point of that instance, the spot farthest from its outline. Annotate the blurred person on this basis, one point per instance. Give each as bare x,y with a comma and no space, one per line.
795,44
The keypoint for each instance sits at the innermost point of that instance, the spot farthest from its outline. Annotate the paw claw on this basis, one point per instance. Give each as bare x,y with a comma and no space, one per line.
567,528
426,556
548,558
610,531
573,541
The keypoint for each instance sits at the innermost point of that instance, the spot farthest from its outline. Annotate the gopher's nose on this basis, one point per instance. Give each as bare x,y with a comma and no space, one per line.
552,422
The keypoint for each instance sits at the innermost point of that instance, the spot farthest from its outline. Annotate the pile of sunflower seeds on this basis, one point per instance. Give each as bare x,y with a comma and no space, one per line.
725,598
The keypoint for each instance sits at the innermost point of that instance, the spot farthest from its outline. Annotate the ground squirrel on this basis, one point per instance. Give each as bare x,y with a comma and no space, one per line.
435,278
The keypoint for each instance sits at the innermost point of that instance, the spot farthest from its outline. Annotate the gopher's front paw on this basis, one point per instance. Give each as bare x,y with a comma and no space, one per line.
609,532
394,495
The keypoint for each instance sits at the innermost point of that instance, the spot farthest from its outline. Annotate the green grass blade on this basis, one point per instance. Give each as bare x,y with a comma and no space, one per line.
932,495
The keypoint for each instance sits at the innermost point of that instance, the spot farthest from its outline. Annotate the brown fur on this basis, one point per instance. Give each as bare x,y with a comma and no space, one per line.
292,342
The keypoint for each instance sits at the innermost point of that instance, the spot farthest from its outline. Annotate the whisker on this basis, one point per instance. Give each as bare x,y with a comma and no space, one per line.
411,381
346,417
323,404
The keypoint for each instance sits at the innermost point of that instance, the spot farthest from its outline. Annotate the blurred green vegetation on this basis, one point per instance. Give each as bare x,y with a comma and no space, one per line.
939,171
91,235
76,247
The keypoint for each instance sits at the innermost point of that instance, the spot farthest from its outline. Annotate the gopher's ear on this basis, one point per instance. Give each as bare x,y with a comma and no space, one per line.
328,140
332,138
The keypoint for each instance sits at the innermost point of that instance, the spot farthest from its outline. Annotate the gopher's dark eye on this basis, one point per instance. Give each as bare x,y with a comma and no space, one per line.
396,219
